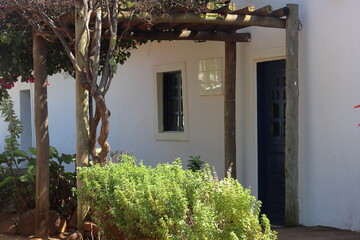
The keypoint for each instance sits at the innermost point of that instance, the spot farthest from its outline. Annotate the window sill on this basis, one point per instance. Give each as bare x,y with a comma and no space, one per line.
172,136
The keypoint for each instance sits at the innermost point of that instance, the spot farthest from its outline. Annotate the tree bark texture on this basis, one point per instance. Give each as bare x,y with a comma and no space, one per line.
42,138
82,112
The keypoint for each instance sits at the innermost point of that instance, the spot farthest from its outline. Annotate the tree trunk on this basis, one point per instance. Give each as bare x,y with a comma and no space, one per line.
42,138
82,113
104,131
93,127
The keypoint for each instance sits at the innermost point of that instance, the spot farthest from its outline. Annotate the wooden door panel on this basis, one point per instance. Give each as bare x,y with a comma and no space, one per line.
271,139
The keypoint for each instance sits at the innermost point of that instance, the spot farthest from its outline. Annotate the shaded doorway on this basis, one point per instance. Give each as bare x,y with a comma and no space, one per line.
271,138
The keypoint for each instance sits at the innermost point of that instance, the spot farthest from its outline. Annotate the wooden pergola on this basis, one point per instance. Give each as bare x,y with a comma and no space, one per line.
221,24
212,24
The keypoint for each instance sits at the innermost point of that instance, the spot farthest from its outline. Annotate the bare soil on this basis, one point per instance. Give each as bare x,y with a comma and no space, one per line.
300,233
14,237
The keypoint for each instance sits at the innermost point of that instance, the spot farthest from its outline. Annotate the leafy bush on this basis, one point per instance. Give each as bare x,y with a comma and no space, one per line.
17,184
129,200
195,163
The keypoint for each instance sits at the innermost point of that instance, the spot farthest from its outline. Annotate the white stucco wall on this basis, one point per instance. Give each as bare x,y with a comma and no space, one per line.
329,82
329,158
61,110
133,104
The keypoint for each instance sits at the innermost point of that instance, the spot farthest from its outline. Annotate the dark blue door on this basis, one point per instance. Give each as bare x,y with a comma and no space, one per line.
271,138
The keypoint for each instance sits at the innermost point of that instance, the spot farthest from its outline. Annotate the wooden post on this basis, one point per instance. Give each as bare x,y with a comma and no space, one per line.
229,108
82,112
291,130
42,138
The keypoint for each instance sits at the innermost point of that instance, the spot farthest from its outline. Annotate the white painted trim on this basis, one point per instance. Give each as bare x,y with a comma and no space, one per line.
160,134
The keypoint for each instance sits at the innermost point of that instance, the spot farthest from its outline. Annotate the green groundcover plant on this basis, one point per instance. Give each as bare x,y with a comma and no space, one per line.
129,200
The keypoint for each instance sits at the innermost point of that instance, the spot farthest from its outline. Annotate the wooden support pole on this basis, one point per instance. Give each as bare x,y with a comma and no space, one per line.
82,113
291,130
42,138
229,108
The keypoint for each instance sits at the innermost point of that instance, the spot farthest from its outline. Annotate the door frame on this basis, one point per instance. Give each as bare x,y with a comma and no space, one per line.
247,123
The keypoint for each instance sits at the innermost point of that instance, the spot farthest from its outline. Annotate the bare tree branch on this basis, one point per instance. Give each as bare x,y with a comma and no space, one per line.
112,44
95,48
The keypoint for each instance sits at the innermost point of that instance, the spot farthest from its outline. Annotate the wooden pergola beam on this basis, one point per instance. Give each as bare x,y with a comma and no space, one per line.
263,11
245,10
281,12
202,27
183,26
291,112
161,27
189,35
178,9
225,9
192,18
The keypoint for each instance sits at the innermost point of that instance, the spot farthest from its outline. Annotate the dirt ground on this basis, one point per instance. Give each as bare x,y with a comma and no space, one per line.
13,237
300,233
316,233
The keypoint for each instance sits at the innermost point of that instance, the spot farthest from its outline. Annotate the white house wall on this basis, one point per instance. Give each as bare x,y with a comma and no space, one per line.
329,156
134,110
329,56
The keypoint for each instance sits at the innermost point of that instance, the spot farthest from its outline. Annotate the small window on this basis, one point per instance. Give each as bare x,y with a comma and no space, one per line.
171,102
173,118
210,77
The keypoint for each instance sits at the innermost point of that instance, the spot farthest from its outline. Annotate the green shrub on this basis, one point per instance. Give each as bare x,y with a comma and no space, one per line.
134,201
17,184
195,163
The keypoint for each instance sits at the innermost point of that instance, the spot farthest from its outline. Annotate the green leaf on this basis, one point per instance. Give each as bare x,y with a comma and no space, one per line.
53,153
32,170
32,162
20,160
8,180
20,153
112,61
32,150
112,41
5,39
67,158
24,178
54,164
130,4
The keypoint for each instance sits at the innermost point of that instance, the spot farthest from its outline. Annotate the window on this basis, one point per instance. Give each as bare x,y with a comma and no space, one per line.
173,117
171,102
210,76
